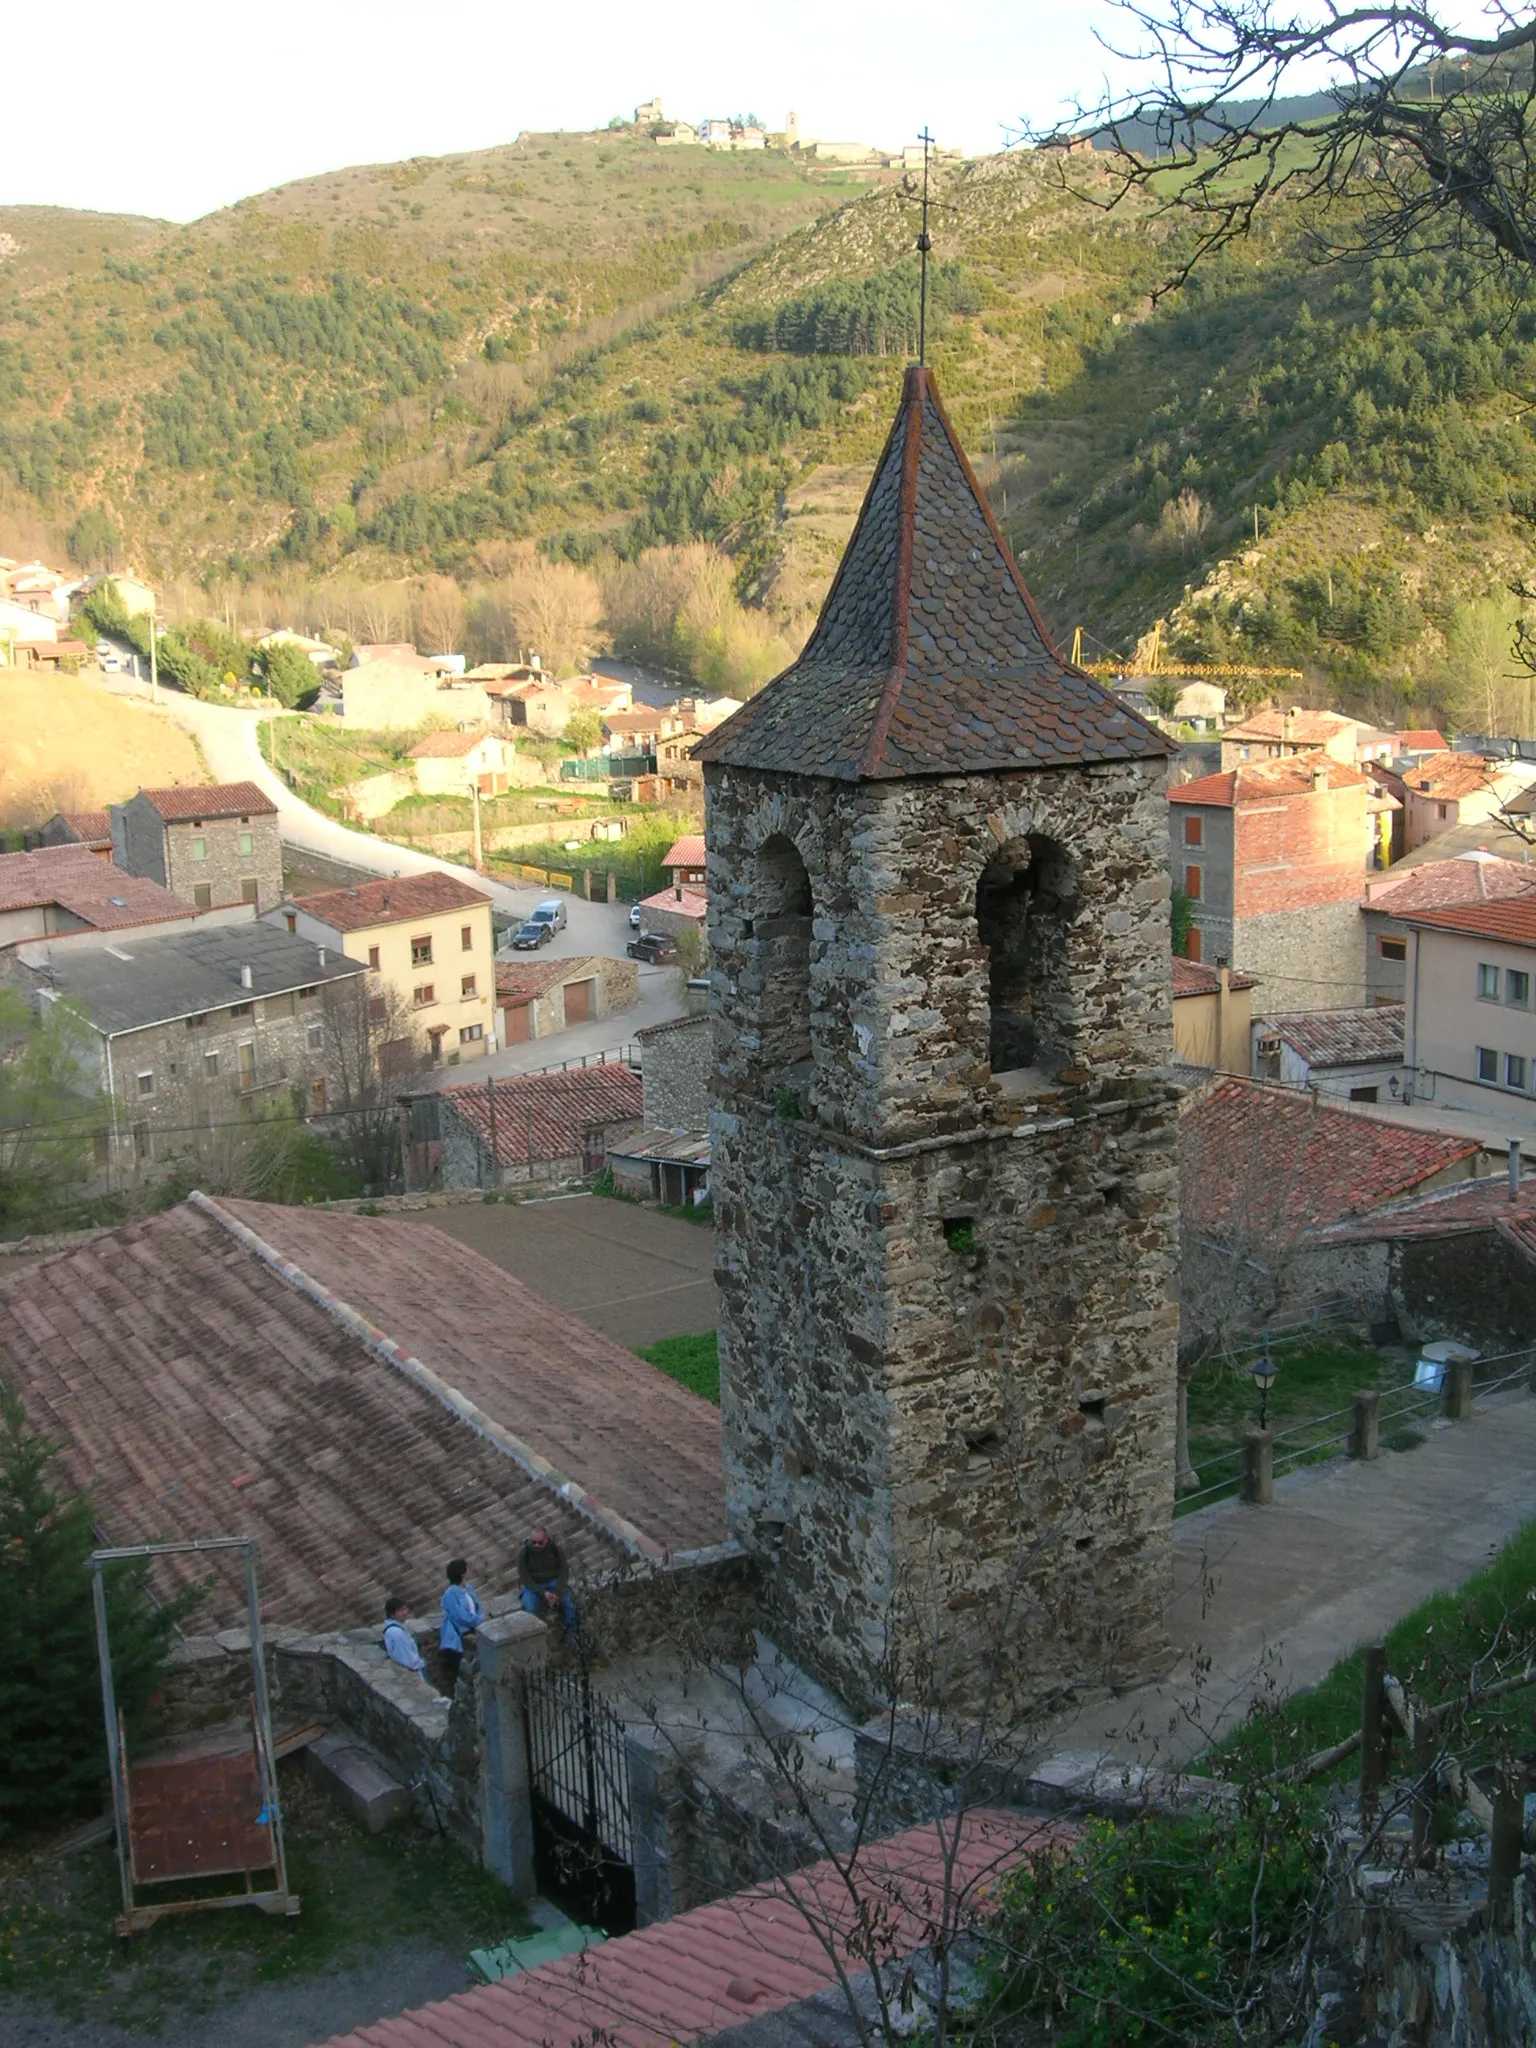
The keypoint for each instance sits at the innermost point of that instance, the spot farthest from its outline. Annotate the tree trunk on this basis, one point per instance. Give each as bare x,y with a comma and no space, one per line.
1185,1478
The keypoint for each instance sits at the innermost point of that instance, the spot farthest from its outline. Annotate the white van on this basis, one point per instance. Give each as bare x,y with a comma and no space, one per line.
551,913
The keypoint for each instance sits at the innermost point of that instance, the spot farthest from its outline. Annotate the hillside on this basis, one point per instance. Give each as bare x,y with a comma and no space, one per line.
65,746
601,348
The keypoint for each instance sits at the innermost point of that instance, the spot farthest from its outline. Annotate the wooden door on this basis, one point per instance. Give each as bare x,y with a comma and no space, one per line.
514,1024
578,1002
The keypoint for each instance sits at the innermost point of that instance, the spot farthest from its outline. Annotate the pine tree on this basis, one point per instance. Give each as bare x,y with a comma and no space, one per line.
51,1728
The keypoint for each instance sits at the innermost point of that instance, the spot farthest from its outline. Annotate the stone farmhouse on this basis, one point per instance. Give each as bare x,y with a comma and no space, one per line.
530,1127
210,844
538,998
55,890
79,828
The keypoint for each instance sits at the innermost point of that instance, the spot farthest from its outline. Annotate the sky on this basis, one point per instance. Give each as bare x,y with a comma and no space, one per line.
176,109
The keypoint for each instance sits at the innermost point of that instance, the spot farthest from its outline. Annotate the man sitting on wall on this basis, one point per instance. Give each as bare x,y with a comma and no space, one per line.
541,1567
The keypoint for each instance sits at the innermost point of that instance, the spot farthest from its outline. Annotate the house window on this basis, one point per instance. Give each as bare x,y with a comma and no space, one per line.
466,938
1487,1064
248,889
196,1023
1514,1070
1487,982
1194,831
378,1009
467,986
199,849
202,896
421,952
291,920
1517,987
315,1037
424,995
1444,810
1363,1094
471,1034
317,1095
247,843
147,1082
241,1009
1192,943
373,956
248,1064
210,1066
1392,949
143,1147
1192,884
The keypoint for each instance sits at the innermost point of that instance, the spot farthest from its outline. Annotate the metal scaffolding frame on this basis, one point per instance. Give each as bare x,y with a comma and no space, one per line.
276,1900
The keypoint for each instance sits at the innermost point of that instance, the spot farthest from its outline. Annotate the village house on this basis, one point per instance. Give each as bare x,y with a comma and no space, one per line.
676,911
1356,1055
393,692
638,732
528,1127
428,939
58,889
456,763
319,652
1272,857
1277,735
137,597
1471,1023
43,593
1472,877
684,860
21,626
209,843
539,997
676,769
1442,791
193,1029
667,1159
1198,704
79,828
1212,1011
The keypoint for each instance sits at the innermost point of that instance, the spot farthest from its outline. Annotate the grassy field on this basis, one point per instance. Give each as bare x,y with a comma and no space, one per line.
362,1896
66,745
694,1362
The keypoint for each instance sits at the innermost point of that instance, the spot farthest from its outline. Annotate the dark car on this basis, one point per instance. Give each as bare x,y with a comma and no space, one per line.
529,937
652,946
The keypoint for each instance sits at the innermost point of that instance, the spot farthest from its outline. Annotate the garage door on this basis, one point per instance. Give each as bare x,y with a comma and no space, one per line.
579,1006
514,1024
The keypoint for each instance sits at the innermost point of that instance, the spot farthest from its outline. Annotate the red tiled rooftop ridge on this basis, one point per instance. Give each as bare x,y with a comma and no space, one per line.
94,827
755,1953
1194,978
1452,775
551,1111
929,656
687,852
391,901
209,800
1307,727
1512,919
1258,781
88,887
1341,1038
1443,884
446,746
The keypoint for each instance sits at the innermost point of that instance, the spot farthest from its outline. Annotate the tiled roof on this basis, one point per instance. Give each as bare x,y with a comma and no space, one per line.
695,1020
1342,1038
929,657
1513,920
1471,1205
1265,1160
446,746
550,1112
1193,978
631,1438
209,800
755,1953
395,901
1261,781
199,1391
1423,741
682,898
1438,884
1451,775
92,828
522,980
89,888
687,852
1306,728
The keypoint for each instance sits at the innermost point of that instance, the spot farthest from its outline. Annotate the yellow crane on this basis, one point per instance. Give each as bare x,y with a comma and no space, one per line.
1153,664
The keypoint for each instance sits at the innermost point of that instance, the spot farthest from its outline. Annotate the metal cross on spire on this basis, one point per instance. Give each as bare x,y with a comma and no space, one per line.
924,244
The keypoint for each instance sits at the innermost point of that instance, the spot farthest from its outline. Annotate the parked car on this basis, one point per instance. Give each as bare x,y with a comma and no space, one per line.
110,664
634,917
551,913
530,936
654,947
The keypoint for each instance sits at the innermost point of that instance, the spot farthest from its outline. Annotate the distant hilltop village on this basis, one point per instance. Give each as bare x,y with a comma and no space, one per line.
750,134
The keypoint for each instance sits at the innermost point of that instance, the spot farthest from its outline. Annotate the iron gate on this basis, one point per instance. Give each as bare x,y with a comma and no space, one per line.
578,1780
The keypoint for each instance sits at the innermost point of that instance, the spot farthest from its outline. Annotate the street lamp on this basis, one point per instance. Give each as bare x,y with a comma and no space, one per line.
1264,1373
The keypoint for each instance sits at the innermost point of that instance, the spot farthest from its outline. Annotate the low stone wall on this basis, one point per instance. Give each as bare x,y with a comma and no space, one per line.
1475,1286
1435,1972
700,1602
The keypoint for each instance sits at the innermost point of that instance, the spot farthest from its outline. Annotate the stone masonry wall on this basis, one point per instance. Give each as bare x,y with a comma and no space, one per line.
1305,959
946,1330
675,1061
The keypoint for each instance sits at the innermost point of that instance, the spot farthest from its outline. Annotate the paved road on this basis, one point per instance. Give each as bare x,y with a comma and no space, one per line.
228,739
1270,1599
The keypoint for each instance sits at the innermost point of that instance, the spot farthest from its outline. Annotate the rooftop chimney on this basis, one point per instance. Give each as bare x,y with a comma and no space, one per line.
245,977
322,956
1514,1169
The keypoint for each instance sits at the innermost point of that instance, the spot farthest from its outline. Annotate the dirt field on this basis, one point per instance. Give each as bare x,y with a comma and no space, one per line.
66,745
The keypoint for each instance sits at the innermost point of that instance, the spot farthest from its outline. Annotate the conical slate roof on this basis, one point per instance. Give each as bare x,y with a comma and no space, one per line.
929,657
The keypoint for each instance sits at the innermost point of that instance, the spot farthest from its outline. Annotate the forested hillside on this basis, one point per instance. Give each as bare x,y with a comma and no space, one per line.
660,373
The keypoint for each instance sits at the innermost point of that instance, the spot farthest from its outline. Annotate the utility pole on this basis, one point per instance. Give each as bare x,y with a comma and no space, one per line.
474,793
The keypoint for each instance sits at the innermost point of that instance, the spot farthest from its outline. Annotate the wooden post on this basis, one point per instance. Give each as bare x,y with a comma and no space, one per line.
1365,1425
1426,1790
1258,1481
1373,1746
1457,1397
1504,1857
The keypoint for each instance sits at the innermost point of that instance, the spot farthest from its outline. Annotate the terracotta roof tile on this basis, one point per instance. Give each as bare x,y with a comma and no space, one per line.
1267,1159
1423,741
1471,1205
1441,884
550,1112
1342,1038
92,828
687,852
170,1360
1192,978
522,980
929,657
1513,920
447,746
683,899
394,901
1306,728
685,1977
92,889
1262,781
1451,775
209,800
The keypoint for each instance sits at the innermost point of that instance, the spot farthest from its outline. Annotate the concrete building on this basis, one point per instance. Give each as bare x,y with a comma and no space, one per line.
674,911
193,1029
1390,899
942,1126
428,939
456,763
1471,1025
1273,860
1278,735
1352,1055
209,843
1212,1013
137,597
394,693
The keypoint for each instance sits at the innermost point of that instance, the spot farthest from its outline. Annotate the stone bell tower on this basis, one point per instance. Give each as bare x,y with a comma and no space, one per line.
943,1170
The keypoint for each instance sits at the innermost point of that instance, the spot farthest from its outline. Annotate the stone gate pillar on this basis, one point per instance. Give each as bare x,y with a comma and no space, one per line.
510,1648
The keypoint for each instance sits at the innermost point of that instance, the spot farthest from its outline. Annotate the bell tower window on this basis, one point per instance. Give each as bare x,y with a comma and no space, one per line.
1026,900
781,941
